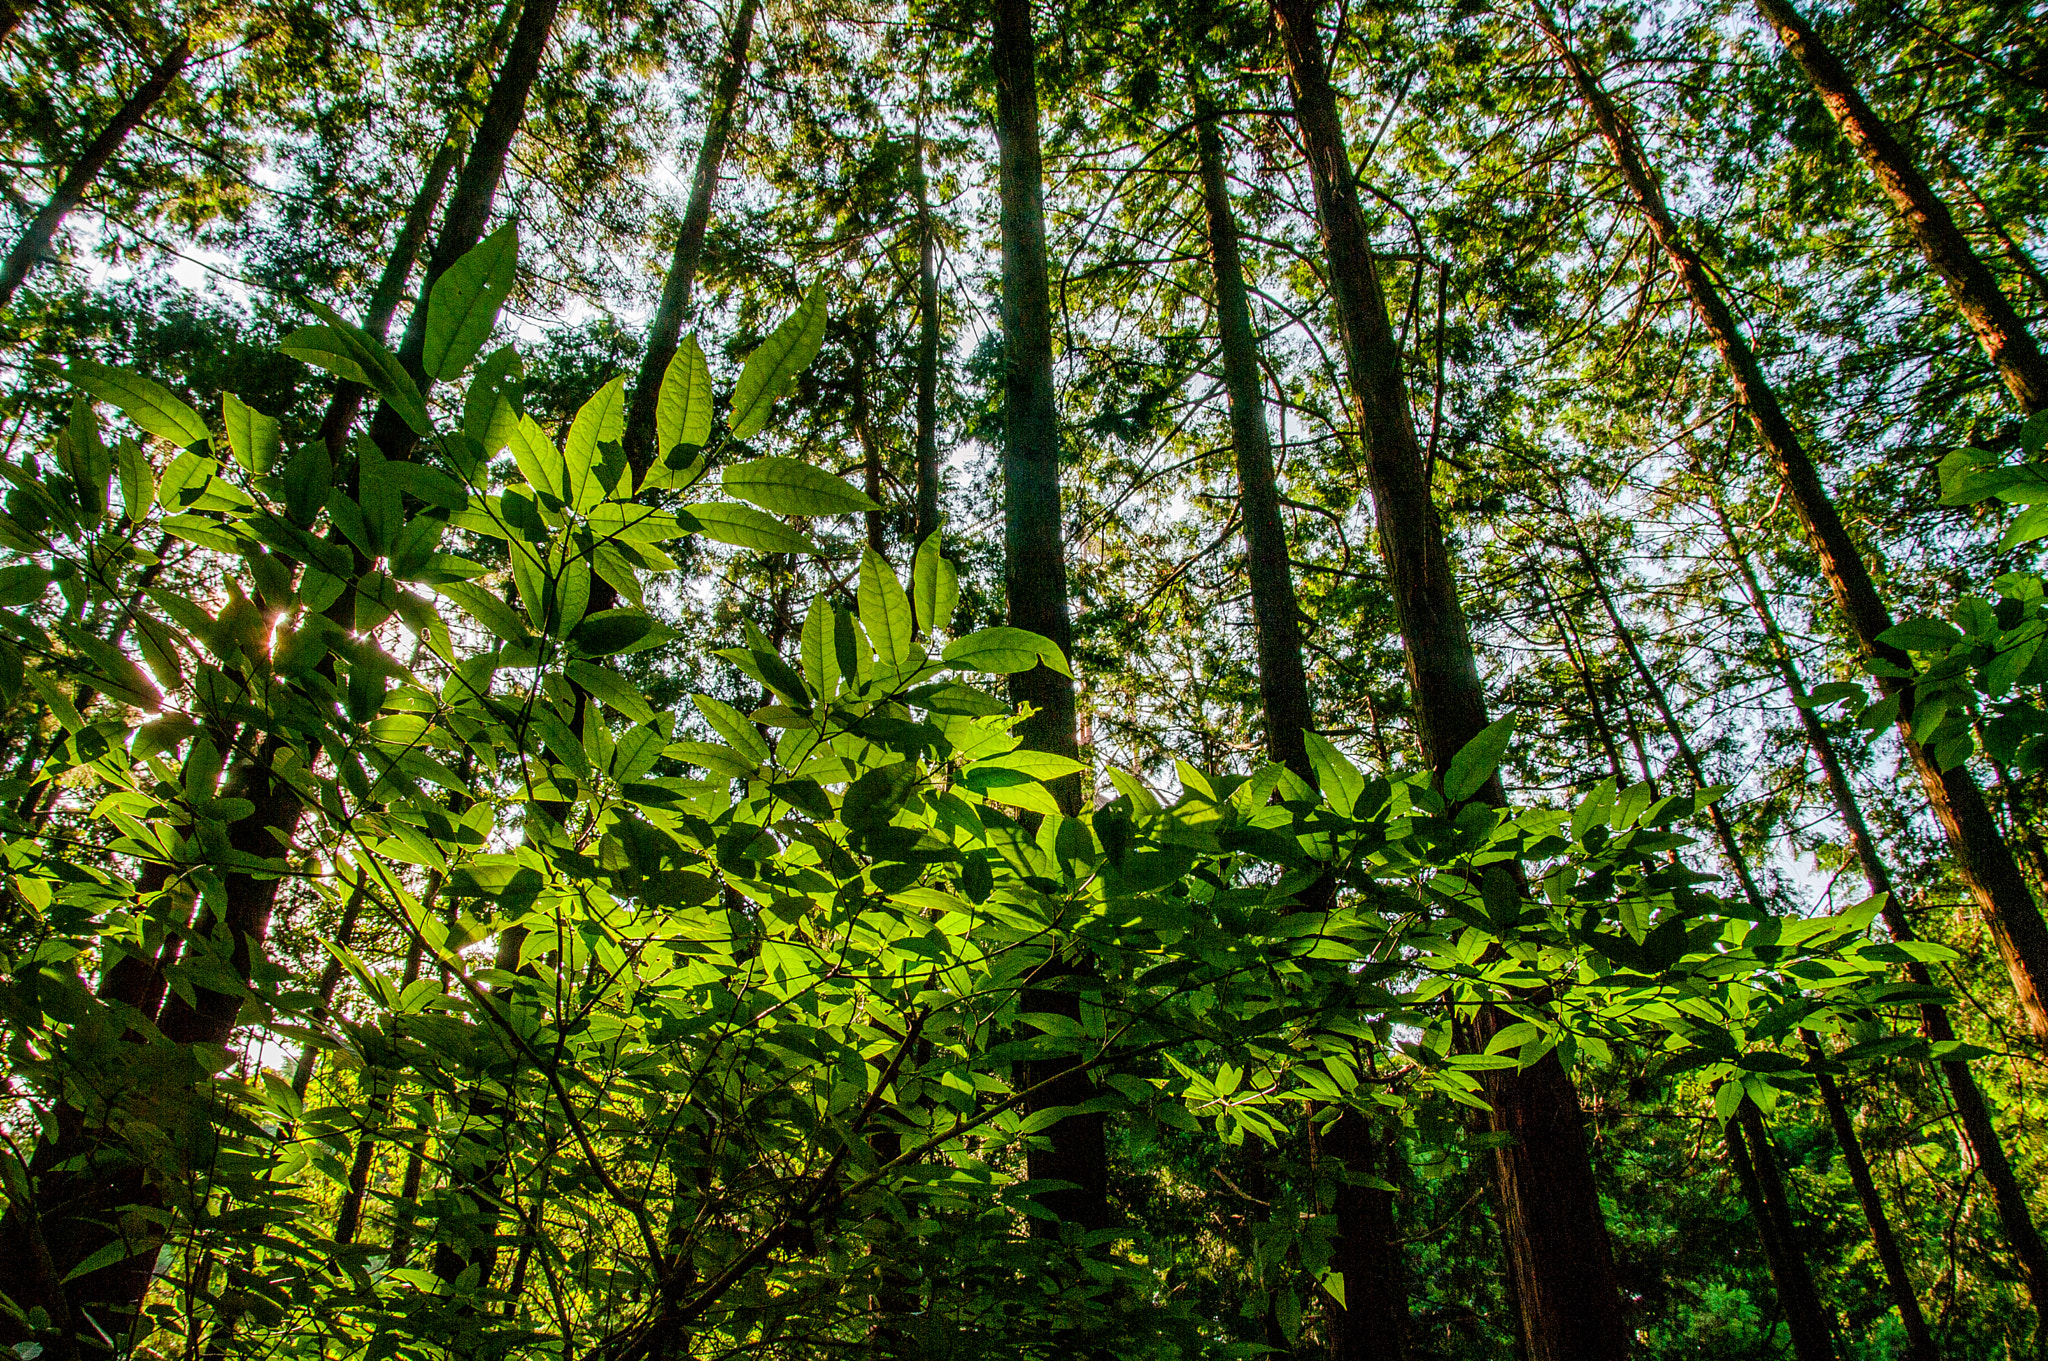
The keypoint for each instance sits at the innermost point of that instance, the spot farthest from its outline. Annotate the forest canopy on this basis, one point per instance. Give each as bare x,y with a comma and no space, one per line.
790,680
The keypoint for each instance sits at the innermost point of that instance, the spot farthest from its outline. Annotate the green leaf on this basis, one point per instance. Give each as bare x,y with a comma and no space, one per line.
612,631
599,421
252,436
487,609
307,480
773,367
464,303
682,414
326,348
874,798
1002,650
382,506
1921,635
1341,781
22,585
1475,763
376,366
789,486
733,726
743,527
150,404
138,480
935,585
540,462
820,657
610,687
884,609
1039,765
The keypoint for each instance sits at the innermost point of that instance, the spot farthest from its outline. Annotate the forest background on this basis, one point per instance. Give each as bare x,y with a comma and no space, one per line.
694,680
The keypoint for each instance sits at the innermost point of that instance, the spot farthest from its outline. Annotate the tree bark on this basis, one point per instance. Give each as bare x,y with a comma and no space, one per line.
1283,681
1756,1166
70,191
469,206
666,327
1926,217
1973,1111
1371,1324
1563,1263
927,357
348,398
1982,857
1035,580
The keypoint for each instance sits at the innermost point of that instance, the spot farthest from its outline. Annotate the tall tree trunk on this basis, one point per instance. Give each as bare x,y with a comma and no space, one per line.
1035,580
1973,1111
1999,327
1985,862
1791,1269
1283,682
70,191
1374,1317
666,327
347,401
1756,1166
1564,1266
927,356
469,207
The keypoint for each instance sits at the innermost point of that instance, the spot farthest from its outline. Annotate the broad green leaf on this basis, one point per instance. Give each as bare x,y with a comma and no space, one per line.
1341,781
743,527
327,348
252,436
1039,765
487,609
789,486
682,414
376,366
540,462
150,404
600,421
936,587
464,303
382,505
1921,635
612,631
884,609
773,367
820,658
733,726
138,479
1476,761
610,687
1002,650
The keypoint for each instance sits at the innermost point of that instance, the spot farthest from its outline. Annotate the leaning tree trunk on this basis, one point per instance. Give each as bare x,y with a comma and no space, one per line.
469,207
1996,884
1756,1167
1973,1111
1035,580
666,328
70,191
347,401
1793,1274
1927,219
1374,1317
1562,1261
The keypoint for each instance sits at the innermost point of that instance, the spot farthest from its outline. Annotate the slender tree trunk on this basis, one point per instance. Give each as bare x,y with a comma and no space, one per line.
1973,1111
1898,1281
1756,1166
1999,327
1570,1300
347,401
927,357
1374,1317
469,206
71,190
1582,669
1985,862
1283,682
1035,580
666,328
